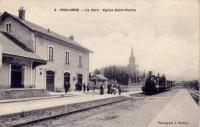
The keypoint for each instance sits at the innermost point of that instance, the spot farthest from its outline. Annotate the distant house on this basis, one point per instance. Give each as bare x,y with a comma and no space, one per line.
98,80
33,56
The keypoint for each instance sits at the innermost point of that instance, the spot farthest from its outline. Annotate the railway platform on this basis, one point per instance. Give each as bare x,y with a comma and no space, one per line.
180,111
21,112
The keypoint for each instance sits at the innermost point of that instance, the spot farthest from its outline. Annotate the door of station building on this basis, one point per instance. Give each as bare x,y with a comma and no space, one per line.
17,76
66,77
80,78
50,77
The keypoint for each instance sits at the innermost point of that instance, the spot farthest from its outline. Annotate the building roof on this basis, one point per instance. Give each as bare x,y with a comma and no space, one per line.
13,47
98,77
40,30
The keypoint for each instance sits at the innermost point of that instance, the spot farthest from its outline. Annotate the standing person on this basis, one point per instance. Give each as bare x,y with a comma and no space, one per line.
79,86
101,90
84,87
109,88
93,87
66,87
76,86
88,87
119,89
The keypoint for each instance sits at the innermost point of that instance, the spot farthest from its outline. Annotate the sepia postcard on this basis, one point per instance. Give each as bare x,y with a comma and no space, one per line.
99,63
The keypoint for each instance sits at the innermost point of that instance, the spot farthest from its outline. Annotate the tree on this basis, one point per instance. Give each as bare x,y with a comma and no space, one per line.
96,71
90,75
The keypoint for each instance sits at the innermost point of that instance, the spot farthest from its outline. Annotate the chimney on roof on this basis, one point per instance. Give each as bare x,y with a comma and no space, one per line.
22,13
71,37
48,30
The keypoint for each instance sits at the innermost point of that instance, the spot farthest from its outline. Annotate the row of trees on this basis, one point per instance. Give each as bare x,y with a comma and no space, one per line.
194,84
116,74
120,75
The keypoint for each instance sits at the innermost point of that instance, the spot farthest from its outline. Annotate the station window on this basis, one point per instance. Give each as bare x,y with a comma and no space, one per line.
51,53
34,45
67,57
8,27
80,60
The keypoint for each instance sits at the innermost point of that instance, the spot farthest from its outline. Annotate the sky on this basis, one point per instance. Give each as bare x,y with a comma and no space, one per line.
164,34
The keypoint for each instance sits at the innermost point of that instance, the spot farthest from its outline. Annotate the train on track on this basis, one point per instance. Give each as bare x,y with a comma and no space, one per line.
156,84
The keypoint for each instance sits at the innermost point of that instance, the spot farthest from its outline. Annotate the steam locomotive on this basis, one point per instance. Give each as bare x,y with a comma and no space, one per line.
156,84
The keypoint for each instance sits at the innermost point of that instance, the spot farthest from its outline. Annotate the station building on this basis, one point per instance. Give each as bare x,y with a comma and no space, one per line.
34,57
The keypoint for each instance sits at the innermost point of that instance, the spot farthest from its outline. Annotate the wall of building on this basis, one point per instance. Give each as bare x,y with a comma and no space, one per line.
4,76
59,65
19,31
0,56
37,77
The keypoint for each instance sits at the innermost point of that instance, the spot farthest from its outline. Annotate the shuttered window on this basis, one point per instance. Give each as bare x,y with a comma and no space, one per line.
80,60
8,27
67,57
51,53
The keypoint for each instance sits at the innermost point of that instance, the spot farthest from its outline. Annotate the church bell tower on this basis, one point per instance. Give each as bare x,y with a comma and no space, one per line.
131,65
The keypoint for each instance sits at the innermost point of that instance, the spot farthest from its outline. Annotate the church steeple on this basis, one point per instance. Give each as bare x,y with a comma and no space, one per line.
132,70
131,65
132,52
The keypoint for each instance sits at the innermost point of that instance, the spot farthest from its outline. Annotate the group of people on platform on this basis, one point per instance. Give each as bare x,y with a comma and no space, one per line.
80,87
111,88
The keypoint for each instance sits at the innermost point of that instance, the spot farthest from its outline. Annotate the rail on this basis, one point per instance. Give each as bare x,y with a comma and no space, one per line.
195,95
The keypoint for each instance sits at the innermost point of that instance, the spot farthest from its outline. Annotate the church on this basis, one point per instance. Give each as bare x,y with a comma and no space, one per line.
131,68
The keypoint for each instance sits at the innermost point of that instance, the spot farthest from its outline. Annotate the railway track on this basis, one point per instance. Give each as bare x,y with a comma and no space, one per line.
59,111
195,95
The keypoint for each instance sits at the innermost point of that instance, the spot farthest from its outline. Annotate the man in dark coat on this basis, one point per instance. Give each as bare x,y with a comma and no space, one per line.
76,86
88,87
101,90
66,86
109,88
84,87
119,89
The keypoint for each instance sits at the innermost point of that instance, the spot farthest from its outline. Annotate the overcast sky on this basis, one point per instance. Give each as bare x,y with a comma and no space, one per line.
164,34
